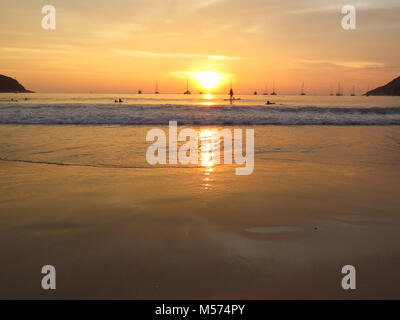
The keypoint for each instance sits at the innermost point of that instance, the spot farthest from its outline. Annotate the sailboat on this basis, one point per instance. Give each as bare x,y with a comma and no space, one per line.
156,91
187,86
339,93
265,93
302,90
353,93
273,93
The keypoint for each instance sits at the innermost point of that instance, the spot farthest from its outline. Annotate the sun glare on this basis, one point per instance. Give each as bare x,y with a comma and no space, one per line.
208,79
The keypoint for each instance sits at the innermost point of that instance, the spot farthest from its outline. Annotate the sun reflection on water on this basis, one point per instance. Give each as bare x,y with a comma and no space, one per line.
208,97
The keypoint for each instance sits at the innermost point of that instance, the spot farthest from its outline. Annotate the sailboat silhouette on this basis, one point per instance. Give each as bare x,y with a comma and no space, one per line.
339,93
265,93
273,93
302,90
156,91
187,86
353,92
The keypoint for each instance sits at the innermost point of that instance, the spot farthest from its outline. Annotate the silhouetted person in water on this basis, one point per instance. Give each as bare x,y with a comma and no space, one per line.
231,96
268,102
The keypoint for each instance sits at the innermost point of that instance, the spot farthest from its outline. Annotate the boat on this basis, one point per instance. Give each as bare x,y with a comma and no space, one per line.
265,93
187,86
156,91
353,93
339,93
302,90
273,93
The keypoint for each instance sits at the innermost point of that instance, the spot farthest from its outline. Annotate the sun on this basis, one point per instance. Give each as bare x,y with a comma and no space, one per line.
208,79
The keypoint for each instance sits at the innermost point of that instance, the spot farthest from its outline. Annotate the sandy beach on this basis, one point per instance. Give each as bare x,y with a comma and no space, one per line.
84,199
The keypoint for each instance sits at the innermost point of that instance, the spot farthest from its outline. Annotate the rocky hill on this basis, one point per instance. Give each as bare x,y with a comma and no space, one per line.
390,89
8,84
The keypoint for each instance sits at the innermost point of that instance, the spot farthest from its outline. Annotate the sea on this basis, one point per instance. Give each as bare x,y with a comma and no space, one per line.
196,109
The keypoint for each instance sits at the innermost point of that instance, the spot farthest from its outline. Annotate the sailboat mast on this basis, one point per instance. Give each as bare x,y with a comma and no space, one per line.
156,92
273,89
187,85
265,90
338,90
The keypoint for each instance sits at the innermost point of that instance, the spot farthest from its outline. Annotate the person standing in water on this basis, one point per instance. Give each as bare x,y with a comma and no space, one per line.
231,95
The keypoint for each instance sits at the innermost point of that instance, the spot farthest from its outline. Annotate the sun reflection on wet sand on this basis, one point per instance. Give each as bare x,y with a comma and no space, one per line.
209,154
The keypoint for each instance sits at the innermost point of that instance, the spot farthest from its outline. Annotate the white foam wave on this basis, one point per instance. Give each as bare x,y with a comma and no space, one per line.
134,114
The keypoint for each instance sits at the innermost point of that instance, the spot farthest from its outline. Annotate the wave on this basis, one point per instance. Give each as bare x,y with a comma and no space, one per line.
135,114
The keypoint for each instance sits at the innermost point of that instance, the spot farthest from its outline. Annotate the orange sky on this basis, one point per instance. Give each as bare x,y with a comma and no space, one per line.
125,45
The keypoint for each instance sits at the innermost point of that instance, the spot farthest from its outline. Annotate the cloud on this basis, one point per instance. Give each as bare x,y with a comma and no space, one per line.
159,55
346,64
193,73
207,3
16,50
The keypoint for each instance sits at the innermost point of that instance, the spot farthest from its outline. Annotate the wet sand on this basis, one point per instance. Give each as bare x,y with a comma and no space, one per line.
83,199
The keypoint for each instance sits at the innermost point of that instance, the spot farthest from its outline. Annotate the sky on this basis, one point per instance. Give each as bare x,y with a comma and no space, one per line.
126,45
